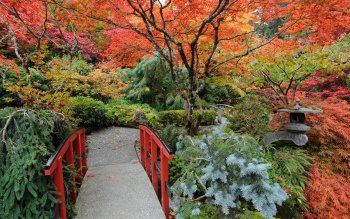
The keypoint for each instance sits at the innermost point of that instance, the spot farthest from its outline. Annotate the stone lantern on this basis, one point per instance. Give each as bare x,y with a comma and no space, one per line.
295,129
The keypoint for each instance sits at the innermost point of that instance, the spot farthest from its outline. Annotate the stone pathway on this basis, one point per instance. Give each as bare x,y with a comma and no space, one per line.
116,186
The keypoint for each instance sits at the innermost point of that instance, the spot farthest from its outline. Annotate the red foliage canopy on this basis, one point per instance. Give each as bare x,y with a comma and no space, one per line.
321,21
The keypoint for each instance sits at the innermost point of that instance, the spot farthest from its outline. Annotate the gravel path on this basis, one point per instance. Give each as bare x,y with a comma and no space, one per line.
116,185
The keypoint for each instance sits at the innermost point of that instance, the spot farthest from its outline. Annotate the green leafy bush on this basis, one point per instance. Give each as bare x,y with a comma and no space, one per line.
122,113
178,117
89,112
289,169
250,116
170,135
223,90
27,143
231,170
220,94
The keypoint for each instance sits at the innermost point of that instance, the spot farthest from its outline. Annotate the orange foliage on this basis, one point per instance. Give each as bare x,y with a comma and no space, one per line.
331,133
108,84
323,20
328,194
130,38
29,24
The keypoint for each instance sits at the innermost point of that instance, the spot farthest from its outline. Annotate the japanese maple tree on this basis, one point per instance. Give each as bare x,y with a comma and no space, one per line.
195,38
201,38
26,26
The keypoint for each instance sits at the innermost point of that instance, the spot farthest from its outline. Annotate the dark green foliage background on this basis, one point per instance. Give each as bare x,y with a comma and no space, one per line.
251,116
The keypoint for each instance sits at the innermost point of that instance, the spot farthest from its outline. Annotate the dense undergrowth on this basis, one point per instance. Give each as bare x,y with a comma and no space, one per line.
28,140
223,173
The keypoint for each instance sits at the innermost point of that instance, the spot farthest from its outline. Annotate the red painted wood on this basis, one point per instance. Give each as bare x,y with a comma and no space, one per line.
147,151
164,180
153,164
70,165
142,147
58,181
73,149
83,150
77,151
147,135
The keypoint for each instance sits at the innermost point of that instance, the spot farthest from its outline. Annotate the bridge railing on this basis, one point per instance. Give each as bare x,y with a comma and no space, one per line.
73,151
151,149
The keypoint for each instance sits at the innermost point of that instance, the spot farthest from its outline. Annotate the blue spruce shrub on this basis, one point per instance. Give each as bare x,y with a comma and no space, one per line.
226,168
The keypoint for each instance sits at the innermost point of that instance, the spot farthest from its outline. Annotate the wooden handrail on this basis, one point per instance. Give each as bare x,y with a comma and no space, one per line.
152,147
73,150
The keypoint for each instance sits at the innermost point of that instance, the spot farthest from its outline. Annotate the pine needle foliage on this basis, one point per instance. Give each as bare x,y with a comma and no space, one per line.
150,82
26,143
231,171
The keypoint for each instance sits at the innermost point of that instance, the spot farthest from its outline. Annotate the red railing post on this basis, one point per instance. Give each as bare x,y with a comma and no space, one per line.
147,150
164,180
77,151
154,159
83,151
147,135
73,144
70,164
142,147
59,183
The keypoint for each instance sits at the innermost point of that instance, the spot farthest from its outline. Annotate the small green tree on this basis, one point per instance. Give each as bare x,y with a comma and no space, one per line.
284,73
150,82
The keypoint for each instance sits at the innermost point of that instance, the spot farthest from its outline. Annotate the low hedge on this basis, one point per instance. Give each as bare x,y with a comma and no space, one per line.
89,112
122,113
178,117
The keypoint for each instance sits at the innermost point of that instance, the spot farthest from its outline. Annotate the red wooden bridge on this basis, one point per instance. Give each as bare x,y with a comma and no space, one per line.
111,181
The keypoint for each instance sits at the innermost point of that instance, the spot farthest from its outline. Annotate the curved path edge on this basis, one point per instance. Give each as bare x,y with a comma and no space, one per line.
116,185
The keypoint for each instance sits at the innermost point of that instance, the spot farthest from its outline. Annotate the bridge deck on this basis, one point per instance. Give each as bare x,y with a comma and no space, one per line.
116,186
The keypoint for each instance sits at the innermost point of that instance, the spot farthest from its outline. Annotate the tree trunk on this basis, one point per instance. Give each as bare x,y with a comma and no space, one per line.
192,124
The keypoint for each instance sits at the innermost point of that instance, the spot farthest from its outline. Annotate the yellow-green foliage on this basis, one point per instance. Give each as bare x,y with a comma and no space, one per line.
122,113
178,117
89,112
52,85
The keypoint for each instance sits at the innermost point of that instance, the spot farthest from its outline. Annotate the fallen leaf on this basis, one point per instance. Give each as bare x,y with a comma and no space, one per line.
111,178
91,175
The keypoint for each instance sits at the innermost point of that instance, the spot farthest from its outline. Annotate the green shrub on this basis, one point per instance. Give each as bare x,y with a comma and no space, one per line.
122,113
289,168
89,112
251,116
178,117
230,170
27,144
176,169
170,135
150,82
223,90
220,94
